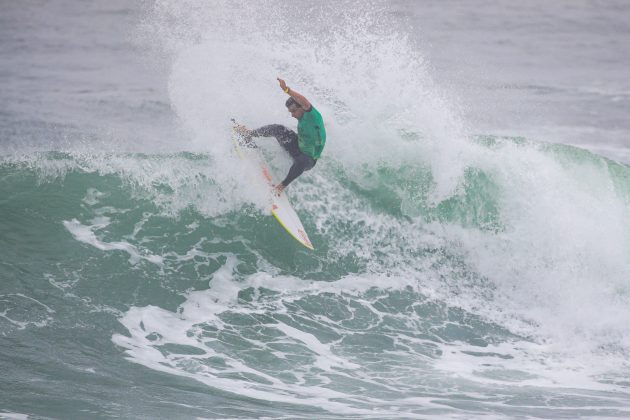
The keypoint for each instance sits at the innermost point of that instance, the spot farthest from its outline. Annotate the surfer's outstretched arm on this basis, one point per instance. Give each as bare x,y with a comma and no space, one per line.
304,103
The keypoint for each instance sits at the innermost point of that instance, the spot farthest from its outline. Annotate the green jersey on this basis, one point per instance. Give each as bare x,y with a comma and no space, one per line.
311,133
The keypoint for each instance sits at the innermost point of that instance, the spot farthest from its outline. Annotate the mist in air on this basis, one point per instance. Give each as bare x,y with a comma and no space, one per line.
470,213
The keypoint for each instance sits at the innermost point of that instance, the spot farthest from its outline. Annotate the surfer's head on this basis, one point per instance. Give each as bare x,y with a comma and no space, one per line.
294,108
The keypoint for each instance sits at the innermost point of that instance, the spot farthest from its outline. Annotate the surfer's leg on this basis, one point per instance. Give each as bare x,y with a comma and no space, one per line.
287,138
301,163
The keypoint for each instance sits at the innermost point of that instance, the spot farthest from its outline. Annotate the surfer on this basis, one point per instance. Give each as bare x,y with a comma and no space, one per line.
306,146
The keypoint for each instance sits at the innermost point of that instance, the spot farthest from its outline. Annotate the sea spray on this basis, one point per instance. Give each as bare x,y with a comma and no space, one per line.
455,275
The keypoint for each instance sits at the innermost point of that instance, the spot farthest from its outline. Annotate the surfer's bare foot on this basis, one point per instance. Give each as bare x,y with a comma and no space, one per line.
242,130
278,189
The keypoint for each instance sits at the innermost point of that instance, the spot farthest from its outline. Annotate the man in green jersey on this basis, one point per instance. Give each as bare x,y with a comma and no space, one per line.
306,146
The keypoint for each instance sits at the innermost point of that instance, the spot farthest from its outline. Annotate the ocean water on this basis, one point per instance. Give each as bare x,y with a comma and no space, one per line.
470,214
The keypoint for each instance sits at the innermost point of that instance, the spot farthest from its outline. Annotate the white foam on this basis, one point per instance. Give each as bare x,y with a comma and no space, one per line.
23,311
511,363
85,234
561,258
13,416
92,196
151,327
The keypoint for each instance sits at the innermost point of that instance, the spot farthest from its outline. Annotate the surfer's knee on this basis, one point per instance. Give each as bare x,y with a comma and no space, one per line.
305,161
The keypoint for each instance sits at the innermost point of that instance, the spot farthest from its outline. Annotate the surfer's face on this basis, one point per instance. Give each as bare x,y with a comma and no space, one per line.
296,111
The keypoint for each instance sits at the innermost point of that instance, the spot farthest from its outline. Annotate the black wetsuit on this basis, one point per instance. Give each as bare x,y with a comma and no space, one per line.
288,139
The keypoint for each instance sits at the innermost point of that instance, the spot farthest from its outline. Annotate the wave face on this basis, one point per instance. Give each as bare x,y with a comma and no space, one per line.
454,275
515,286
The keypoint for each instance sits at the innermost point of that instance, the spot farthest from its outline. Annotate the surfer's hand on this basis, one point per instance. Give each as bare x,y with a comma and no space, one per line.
283,84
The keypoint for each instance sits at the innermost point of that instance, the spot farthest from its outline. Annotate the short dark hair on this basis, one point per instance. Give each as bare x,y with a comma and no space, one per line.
291,102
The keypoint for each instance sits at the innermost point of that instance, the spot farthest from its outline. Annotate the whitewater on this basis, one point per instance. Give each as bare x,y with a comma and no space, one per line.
470,213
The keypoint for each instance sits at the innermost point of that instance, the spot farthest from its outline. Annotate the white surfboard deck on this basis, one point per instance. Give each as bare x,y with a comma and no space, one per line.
280,206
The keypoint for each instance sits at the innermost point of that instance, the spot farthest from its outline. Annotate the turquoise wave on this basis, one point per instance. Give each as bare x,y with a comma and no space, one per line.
39,192
156,259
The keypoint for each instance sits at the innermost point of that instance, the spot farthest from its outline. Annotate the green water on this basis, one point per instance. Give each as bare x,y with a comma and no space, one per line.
125,294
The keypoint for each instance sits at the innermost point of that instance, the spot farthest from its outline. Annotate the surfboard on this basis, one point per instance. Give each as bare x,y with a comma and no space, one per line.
281,208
